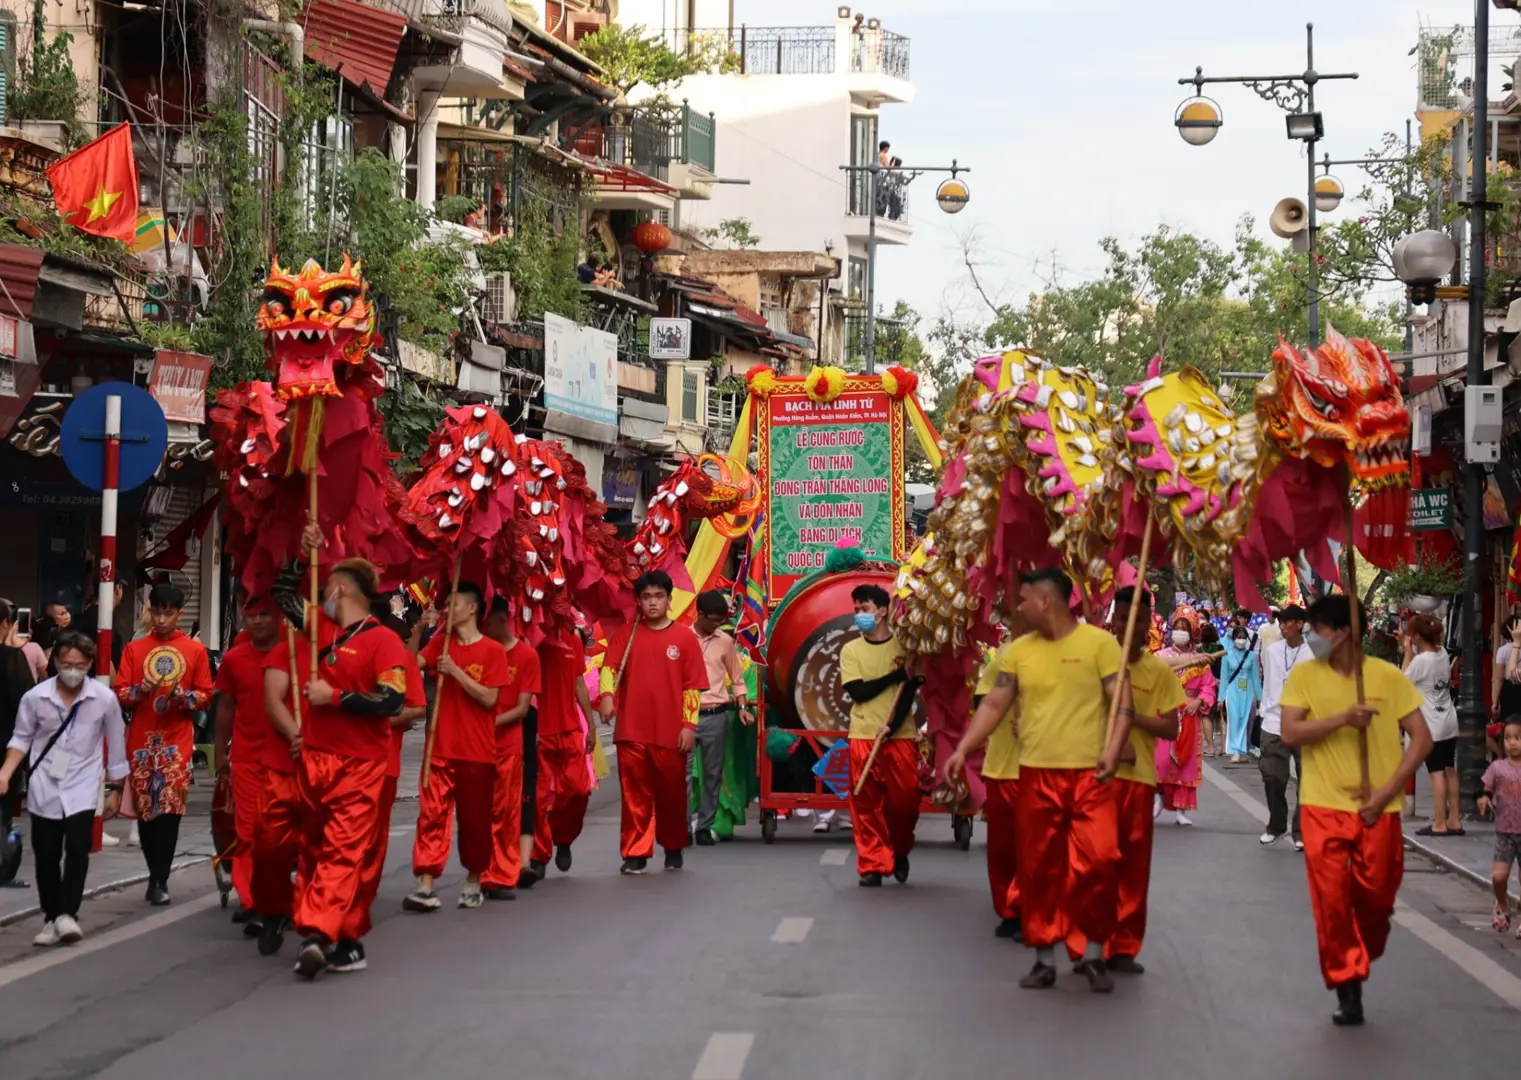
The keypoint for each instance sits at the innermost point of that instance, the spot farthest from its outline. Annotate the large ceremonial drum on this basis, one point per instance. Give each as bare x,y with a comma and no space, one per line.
803,641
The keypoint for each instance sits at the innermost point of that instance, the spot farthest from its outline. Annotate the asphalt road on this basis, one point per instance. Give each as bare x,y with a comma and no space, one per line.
768,963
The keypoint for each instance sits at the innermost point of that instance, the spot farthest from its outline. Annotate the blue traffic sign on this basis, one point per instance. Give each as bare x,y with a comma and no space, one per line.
144,436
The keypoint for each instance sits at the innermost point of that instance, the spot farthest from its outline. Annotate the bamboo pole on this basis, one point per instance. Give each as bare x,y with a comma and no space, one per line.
882,737
438,698
315,609
1129,640
295,676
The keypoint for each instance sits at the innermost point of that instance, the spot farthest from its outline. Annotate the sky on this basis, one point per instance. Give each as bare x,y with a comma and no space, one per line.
1063,110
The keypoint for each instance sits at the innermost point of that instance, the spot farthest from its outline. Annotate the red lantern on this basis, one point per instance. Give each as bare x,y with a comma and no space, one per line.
651,237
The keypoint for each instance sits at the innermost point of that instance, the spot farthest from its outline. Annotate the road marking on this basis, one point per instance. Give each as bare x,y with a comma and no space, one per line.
62,954
1474,963
725,1055
835,856
791,931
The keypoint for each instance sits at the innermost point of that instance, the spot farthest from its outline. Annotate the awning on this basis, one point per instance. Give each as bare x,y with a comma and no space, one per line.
613,177
600,294
19,267
358,41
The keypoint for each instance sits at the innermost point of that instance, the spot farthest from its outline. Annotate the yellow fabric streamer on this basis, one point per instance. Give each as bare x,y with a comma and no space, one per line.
929,440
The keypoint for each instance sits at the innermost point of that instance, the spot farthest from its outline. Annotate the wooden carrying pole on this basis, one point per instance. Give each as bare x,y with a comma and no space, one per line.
295,676
1349,588
882,736
438,698
316,598
1129,639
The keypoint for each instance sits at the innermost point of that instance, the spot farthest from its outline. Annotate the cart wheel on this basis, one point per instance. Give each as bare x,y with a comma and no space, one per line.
768,826
961,828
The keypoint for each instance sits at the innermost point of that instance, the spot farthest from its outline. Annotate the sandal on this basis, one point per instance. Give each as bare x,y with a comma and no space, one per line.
1427,830
1501,921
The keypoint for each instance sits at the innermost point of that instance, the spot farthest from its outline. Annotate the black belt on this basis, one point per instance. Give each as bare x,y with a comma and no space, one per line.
713,709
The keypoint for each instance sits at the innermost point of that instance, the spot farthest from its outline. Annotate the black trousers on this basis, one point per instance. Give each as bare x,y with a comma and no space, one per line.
61,849
159,838
1274,766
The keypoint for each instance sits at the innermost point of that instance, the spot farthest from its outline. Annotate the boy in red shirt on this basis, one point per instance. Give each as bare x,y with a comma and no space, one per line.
505,873
344,744
162,680
462,775
652,679
241,726
566,736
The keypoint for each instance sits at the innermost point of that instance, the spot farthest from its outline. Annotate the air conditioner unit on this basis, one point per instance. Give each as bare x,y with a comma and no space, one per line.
501,302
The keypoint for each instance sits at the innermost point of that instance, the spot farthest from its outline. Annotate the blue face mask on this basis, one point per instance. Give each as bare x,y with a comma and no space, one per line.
865,623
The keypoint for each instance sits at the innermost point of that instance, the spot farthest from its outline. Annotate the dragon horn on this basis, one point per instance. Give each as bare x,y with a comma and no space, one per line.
1154,368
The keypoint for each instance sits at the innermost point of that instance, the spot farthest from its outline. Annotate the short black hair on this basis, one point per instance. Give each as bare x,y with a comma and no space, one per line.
362,573
499,606
7,611
1127,597
654,579
884,145
1241,631
474,592
1513,720
1242,613
71,639
1058,580
870,594
1292,613
1336,612
165,595
713,602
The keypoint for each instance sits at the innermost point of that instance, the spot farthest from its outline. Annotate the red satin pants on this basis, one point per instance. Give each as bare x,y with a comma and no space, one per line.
467,788
247,787
340,799
357,925
562,792
1068,855
506,824
1137,825
1354,874
277,844
1002,813
653,783
883,814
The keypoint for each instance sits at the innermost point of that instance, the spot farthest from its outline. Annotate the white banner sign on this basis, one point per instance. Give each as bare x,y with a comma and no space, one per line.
580,370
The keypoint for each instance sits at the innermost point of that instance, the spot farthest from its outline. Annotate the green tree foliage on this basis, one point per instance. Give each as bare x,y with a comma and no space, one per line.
45,86
733,233
630,56
411,417
542,264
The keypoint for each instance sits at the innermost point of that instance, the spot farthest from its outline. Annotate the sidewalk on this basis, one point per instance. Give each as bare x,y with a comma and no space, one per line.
1469,855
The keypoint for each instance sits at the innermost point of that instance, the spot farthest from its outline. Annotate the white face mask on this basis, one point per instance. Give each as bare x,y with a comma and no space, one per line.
1181,638
1320,648
71,677
1240,643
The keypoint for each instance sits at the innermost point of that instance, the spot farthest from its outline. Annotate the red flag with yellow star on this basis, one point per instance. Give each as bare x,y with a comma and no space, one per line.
95,187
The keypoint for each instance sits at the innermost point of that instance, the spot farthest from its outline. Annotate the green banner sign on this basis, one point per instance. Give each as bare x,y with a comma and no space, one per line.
1430,509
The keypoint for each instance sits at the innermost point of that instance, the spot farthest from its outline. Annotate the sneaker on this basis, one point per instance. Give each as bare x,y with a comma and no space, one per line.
158,894
704,837
273,936
847,825
562,858
900,869
634,866
1183,819
531,874
1298,845
253,926
823,825
1126,965
421,900
132,837
497,892
470,896
1099,979
1007,928
870,880
1349,1005
107,840
68,930
673,860
346,957
1040,977
1268,838
48,935
1235,759
311,961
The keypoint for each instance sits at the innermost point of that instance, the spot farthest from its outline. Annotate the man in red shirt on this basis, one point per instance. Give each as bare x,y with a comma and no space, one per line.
652,679
566,736
162,680
462,774
344,744
505,874
241,726
280,829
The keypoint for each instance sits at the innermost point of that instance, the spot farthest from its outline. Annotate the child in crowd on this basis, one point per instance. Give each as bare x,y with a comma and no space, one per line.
1502,789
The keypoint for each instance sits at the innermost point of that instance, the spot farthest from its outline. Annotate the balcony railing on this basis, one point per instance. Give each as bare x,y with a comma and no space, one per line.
892,194
650,141
793,50
699,138
880,53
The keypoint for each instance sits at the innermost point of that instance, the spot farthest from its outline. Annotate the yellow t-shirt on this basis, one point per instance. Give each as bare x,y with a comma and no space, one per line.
1000,761
1063,711
1332,773
866,660
1154,690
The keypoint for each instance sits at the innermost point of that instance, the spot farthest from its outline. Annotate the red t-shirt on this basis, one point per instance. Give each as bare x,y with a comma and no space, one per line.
417,698
241,680
372,658
661,667
275,750
466,728
562,663
522,678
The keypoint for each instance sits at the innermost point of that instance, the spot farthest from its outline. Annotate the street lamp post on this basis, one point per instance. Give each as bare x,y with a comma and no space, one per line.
1199,119
950,201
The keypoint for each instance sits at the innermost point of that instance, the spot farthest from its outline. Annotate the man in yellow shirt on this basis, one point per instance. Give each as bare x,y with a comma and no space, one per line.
1061,675
886,809
1354,850
1156,695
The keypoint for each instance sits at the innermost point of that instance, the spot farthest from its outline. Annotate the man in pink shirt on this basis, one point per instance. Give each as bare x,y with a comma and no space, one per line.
726,690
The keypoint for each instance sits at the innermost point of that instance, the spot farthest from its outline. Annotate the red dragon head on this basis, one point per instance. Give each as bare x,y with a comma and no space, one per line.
317,326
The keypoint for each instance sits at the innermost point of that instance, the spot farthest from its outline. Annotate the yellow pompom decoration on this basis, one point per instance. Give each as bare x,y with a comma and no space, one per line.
824,384
761,381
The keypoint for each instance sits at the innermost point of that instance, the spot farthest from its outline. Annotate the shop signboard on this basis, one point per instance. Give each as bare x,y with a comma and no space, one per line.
1430,509
580,371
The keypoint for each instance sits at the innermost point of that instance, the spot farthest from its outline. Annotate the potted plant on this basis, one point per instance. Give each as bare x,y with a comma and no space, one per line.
1426,586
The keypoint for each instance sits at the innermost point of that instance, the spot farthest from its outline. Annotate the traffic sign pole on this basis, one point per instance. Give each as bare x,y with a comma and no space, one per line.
111,475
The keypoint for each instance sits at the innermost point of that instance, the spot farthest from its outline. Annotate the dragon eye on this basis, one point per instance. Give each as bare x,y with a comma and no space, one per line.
276,308
340,305
277,301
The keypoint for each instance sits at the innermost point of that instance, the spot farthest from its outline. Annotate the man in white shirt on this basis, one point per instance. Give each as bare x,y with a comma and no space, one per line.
60,728
1278,659
1271,633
